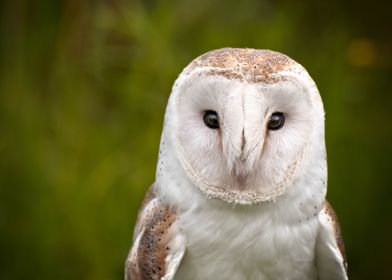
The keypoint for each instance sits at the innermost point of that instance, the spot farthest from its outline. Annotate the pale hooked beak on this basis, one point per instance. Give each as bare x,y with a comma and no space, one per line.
245,152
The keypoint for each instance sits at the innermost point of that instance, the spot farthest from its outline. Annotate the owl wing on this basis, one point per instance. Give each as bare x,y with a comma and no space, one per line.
330,254
158,247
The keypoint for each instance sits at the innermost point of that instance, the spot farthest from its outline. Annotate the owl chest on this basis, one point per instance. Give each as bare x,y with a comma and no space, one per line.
246,245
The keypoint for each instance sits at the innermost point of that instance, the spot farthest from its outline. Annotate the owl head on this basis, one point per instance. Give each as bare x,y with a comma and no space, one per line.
243,124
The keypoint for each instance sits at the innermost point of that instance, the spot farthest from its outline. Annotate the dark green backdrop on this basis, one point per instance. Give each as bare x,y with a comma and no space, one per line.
83,89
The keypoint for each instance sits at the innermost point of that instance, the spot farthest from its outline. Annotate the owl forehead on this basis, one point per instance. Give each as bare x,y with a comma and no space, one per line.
254,66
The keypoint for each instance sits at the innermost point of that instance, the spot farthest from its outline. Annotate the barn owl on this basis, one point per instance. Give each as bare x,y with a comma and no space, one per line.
241,177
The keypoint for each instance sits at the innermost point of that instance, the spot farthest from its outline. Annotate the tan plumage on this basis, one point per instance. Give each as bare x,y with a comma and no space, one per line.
154,232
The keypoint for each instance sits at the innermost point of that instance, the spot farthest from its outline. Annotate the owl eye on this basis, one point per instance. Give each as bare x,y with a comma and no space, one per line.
211,119
276,121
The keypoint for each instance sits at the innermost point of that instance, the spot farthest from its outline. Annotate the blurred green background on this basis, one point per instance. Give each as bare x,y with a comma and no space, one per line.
83,89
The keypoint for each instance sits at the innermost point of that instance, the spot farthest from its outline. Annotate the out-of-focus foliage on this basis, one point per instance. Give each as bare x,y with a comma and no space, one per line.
83,88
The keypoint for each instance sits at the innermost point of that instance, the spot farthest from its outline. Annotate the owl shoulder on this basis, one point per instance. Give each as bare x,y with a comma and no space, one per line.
331,258
158,246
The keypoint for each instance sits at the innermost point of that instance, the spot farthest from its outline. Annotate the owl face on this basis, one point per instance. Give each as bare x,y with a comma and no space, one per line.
243,120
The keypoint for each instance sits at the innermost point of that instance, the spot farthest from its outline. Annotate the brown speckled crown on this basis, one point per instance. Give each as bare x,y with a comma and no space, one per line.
243,64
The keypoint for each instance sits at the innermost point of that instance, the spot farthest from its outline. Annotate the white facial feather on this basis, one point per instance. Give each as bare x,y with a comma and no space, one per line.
243,162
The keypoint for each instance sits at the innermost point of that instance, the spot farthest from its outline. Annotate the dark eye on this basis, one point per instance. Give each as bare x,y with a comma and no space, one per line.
276,121
211,119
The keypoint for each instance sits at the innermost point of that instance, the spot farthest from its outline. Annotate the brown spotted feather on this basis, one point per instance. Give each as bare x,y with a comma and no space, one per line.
333,218
143,213
251,65
153,247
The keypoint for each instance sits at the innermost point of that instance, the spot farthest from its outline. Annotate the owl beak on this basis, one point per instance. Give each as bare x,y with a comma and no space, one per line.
251,147
243,142
241,167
